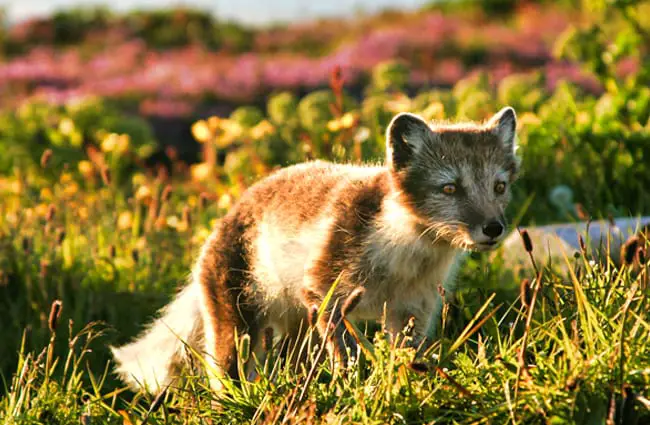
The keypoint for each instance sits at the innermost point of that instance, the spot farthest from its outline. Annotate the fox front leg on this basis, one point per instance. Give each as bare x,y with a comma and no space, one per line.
330,324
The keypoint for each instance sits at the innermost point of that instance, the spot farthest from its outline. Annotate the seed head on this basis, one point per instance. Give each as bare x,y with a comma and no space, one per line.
419,367
45,158
312,317
528,243
583,247
55,313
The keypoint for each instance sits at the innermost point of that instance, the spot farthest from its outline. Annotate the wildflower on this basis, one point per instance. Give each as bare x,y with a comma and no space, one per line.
201,131
172,221
262,129
42,210
86,168
46,194
225,201
110,142
201,172
66,126
125,220
71,189
123,142
349,119
138,179
334,125
143,194
82,212
213,123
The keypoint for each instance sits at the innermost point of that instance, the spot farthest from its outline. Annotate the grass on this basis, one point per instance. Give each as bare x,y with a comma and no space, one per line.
553,349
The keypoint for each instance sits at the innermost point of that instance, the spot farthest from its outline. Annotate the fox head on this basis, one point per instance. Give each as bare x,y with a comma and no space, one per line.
455,178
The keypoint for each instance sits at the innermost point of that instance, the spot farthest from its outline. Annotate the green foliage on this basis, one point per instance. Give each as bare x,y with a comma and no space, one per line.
68,131
392,75
247,116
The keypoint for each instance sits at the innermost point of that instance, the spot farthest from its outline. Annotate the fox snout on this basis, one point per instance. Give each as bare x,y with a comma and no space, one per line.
493,229
487,235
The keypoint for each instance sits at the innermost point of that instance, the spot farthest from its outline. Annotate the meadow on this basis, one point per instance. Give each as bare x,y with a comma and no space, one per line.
124,138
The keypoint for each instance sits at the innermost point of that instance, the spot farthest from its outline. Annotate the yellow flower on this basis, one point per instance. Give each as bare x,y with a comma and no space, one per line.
582,118
213,123
138,179
86,168
225,201
182,226
201,172
41,209
65,178
143,193
110,142
66,126
173,221
71,189
125,220
16,187
349,119
334,125
201,131
262,129
82,213
123,142
46,194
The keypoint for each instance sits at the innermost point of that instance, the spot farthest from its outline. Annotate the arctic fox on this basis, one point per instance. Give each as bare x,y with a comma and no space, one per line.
397,230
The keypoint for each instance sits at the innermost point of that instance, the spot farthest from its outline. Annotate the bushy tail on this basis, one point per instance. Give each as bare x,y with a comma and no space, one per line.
153,360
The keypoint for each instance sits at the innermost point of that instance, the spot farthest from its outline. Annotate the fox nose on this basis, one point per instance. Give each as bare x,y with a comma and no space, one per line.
493,229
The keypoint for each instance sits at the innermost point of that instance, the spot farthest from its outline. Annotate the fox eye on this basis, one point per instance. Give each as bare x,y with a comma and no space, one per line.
449,189
500,188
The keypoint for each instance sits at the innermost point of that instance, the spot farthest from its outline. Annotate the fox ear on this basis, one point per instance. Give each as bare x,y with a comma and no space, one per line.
406,133
504,125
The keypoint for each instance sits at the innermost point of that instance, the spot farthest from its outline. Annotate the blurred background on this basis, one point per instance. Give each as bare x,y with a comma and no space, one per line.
171,63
